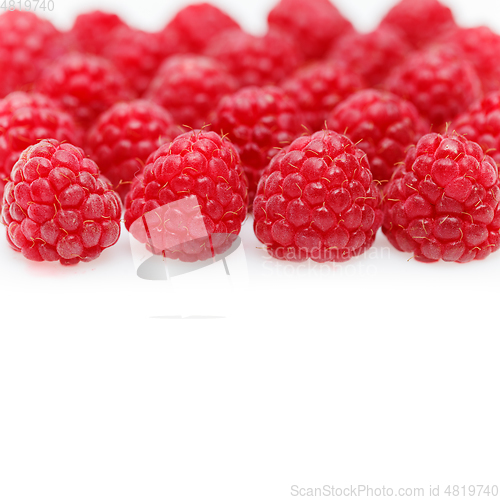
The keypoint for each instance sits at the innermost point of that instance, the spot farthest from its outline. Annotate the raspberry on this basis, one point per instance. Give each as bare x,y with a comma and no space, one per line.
255,60
318,88
123,138
382,125
258,121
84,85
443,203
24,120
371,55
313,24
481,124
317,200
190,88
27,43
198,182
137,55
194,26
438,82
57,207
420,21
91,31
480,46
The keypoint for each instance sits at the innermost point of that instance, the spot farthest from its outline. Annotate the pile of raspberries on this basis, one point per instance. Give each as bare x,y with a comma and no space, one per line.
322,134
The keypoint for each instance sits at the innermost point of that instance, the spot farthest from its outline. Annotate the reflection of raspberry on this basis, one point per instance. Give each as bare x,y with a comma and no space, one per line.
27,43
481,124
24,120
91,31
198,166
194,26
317,200
57,207
480,46
318,88
421,21
255,60
84,85
123,138
371,55
258,121
439,83
190,88
382,125
313,24
137,55
443,203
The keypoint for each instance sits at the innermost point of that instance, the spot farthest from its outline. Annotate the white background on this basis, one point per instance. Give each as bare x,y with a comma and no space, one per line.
380,371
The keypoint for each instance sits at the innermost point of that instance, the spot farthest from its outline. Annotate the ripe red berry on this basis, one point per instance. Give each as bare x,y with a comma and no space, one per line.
191,199
313,24
27,44
481,124
123,138
382,124
443,203
255,60
317,200
190,87
420,21
318,88
371,55
196,25
57,207
24,120
91,31
259,121
438,82
84,85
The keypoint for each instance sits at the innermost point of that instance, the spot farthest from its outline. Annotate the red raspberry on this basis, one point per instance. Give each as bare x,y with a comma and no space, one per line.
194,26
199,181
258,121
27,43
190,88
443,203
123,138
421,21
438,82
318,88
313,24
84,85
317,200
57,207
381,124
371,55
91,31
255,60
137,55
480,46
24,120
481,124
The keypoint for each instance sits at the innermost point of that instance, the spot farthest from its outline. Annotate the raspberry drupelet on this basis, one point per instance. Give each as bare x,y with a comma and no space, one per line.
382,124
318,88
24,120
191,199
258,121
84,85
317,200
190,87
123,137
57,206
443,203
